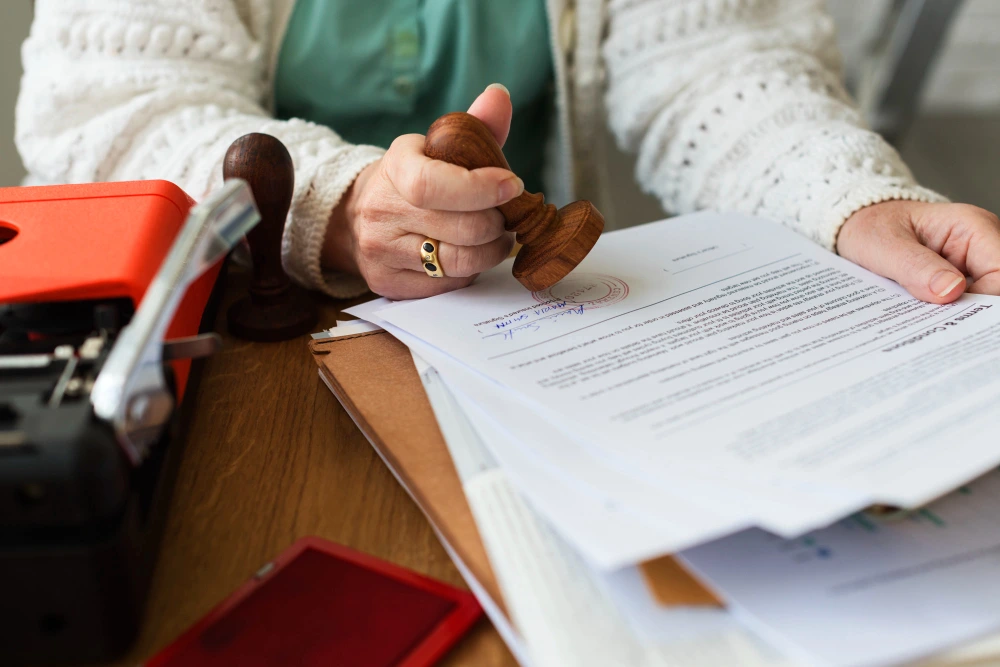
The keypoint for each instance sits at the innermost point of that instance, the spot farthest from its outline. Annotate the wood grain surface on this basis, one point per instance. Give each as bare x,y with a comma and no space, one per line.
271,457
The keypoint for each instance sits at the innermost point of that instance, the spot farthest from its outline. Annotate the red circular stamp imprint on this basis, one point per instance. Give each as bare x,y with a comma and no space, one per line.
595,290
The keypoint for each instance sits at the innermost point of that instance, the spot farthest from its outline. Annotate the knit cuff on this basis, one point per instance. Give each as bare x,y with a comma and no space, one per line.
867,193
306,228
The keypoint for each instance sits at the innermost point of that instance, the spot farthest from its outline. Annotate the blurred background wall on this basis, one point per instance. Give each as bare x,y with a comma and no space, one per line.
966,76
15,17
953,143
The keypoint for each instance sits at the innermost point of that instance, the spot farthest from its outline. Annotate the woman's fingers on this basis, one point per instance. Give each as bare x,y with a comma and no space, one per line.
890,247
466,228
437,185
982,258
494,109
456,261
987,284
924,273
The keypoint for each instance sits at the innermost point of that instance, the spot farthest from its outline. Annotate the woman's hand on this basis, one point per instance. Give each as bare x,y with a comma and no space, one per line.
395,203
927,248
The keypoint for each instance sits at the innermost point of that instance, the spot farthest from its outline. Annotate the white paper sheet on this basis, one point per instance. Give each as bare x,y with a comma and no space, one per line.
599,525
729,355
869,591
614,520
560,603
692,636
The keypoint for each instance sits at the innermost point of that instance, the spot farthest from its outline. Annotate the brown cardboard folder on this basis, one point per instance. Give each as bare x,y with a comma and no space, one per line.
373,376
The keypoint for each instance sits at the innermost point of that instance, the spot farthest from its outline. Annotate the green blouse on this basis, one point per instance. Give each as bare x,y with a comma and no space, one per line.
375,69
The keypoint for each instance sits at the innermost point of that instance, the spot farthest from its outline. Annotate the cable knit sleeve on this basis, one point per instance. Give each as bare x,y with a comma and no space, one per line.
739,105
142,89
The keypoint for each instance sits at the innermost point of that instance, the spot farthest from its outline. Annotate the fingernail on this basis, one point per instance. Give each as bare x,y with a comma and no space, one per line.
511,188
498,86
944,282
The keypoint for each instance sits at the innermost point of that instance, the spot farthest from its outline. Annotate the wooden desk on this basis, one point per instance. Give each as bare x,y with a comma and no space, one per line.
270,457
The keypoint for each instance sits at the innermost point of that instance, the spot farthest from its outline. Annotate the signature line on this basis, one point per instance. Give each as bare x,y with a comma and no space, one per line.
744,249
508,333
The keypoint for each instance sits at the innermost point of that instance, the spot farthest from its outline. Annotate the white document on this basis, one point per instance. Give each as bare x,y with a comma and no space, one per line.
729,358
687,636
612,519
560,604
683,636
869,591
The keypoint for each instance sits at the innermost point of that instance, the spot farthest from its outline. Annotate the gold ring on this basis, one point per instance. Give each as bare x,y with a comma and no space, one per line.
429,258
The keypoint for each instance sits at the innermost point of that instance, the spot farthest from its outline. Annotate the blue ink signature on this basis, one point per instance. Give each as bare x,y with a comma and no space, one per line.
546,314
511,321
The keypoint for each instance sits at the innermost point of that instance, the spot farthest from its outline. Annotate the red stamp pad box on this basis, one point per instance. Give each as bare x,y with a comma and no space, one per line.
320,603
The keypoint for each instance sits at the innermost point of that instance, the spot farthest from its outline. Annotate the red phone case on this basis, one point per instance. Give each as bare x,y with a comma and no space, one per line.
320,603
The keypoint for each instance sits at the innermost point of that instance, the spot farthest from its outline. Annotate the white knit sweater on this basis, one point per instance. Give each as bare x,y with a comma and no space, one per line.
730,104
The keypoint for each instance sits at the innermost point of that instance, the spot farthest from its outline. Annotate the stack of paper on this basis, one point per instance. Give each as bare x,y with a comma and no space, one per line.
718,384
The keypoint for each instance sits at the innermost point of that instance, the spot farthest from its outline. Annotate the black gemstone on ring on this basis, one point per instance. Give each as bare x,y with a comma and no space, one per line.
428,247
430,267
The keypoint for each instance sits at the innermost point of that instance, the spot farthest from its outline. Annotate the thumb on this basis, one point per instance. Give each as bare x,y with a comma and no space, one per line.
895,252
493,108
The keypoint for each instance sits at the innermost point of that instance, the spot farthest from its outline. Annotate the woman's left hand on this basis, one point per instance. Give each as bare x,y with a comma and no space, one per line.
927,248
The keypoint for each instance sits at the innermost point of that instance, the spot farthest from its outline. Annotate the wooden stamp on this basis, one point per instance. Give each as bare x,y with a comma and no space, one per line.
274,309
554,242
